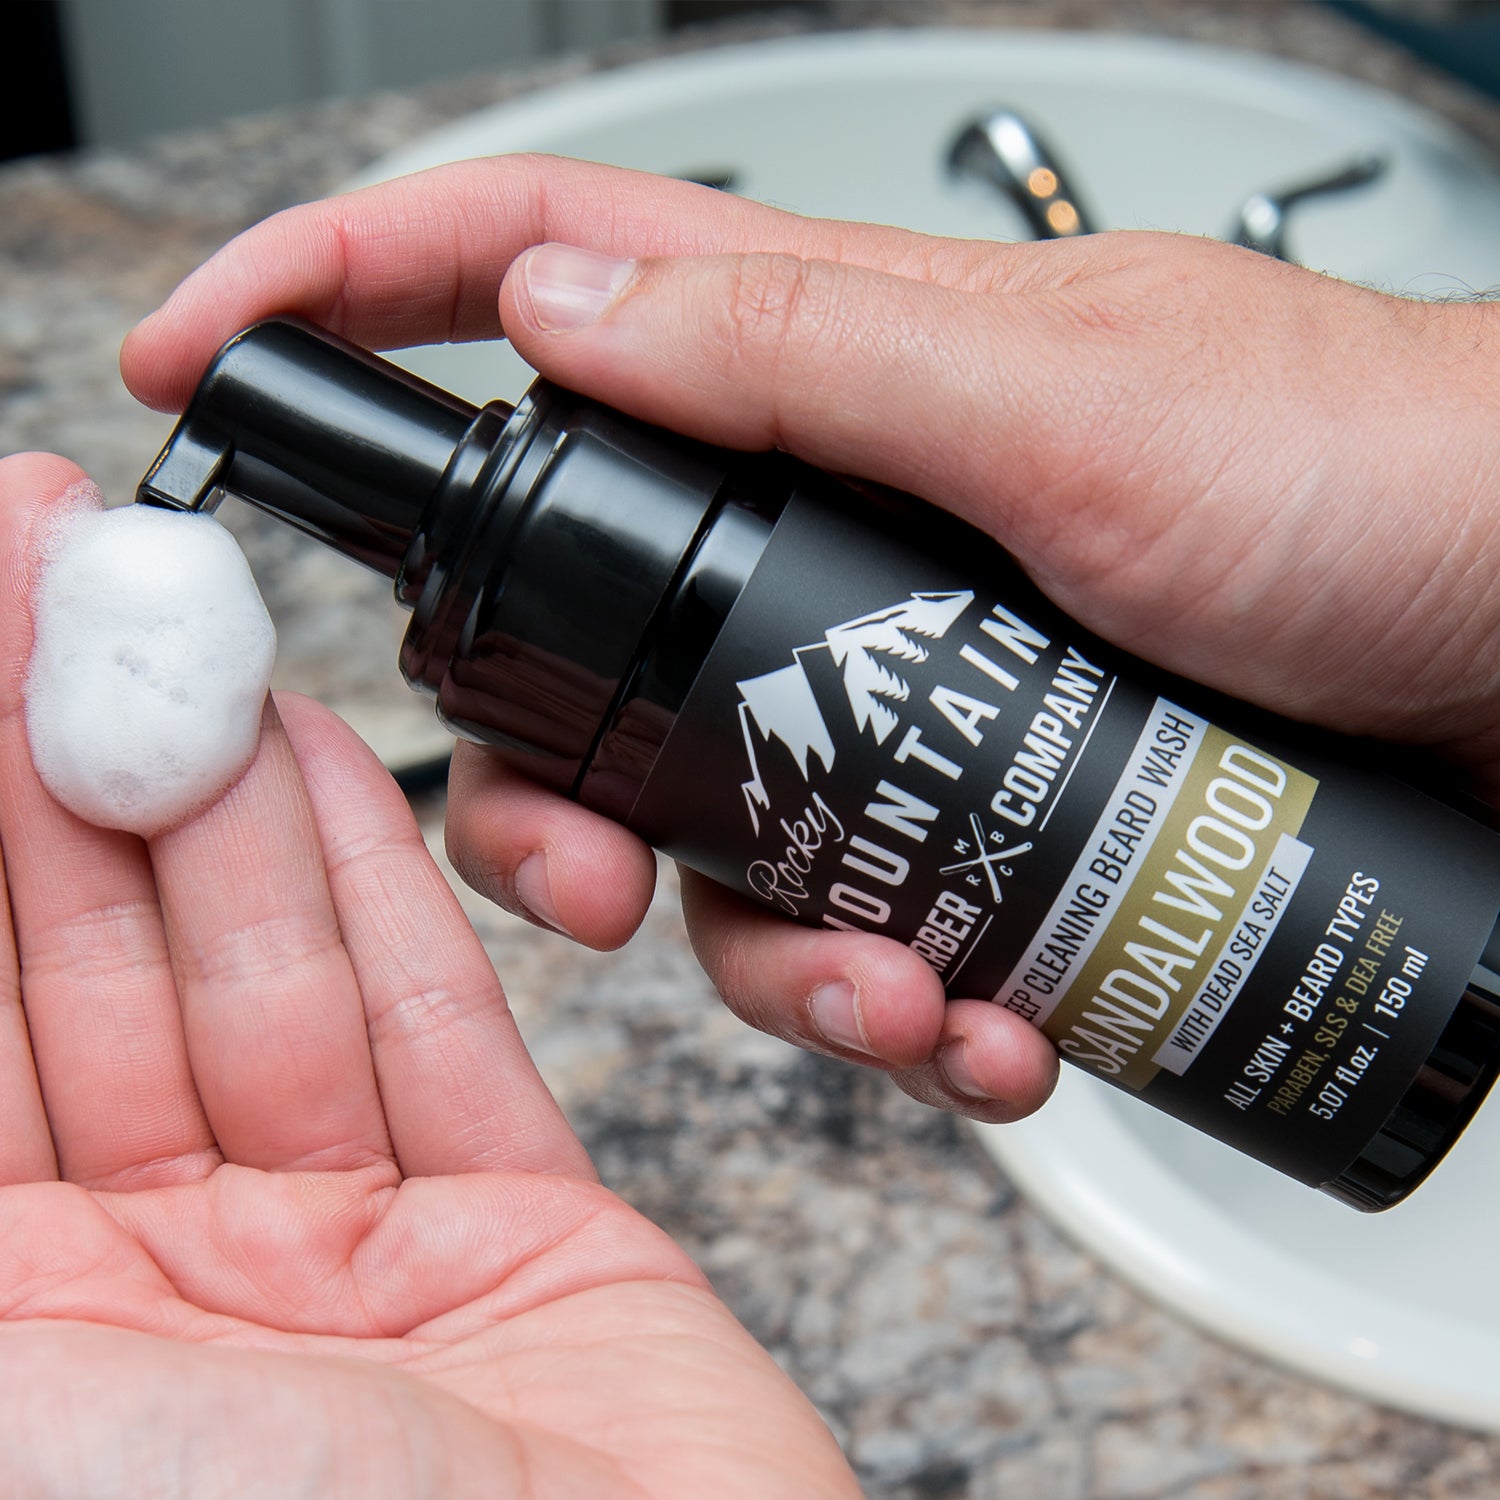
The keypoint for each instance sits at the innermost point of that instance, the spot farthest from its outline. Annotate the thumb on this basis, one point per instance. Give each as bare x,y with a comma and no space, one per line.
857,370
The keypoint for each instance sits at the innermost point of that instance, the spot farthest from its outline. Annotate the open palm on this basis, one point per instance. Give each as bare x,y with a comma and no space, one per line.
284,1206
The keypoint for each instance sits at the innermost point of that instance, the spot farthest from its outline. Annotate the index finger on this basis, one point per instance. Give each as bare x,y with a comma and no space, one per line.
99,1006
420,259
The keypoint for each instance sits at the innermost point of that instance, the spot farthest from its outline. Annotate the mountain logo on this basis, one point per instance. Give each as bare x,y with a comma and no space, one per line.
781,705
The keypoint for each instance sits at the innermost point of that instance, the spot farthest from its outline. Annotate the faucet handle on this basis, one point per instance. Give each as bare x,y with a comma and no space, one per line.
1261,224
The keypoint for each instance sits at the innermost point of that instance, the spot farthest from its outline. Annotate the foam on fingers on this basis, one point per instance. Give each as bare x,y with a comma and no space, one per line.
151,657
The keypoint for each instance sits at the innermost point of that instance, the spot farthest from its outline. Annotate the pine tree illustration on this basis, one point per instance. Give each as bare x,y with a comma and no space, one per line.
892,633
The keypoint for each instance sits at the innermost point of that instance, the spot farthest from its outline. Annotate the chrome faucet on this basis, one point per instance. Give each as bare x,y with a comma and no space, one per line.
1000,148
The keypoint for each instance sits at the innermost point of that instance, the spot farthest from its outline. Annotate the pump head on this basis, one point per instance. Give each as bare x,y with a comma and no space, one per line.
326,436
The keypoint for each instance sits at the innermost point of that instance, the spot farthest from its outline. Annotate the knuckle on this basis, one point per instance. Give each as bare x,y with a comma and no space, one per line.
733,969
773,300
480,869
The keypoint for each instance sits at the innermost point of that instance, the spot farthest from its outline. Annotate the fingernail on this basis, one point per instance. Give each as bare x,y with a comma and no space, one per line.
835,1014
534,891
954,1062
569,287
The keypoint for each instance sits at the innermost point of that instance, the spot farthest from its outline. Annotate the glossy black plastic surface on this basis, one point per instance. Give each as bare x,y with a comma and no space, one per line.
538,573
691,615
328,437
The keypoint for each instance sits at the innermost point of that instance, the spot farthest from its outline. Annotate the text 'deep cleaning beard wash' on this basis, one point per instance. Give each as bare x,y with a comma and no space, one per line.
859,712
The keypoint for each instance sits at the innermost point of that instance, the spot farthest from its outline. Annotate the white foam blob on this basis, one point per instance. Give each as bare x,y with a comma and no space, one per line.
151,659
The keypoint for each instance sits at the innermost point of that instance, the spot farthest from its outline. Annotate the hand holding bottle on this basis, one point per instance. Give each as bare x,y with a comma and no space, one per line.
1254,476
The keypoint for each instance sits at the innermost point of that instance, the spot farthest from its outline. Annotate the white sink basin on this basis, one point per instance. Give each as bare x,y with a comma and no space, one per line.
1403,1307
1158,134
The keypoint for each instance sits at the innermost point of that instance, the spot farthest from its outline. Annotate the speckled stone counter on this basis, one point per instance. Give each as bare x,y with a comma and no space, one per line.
958,1346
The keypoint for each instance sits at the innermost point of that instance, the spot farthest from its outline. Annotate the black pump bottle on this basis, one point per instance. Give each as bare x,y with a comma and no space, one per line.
858,711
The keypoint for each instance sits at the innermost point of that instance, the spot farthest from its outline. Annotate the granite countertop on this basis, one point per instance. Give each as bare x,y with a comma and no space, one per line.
958,1345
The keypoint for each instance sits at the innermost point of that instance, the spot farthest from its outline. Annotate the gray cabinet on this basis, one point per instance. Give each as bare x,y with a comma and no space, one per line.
138,67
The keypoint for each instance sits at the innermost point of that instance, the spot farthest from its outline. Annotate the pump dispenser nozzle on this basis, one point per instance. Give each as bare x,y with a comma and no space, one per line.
535,545
328,437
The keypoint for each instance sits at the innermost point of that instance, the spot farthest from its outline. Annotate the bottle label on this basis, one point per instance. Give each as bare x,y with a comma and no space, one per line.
1257,938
